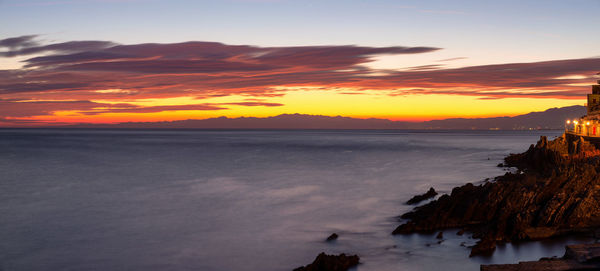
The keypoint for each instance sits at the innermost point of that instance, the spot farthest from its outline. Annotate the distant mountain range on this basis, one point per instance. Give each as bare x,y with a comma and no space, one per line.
553,118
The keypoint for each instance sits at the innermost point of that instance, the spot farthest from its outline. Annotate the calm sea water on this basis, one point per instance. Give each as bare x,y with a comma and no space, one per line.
238,200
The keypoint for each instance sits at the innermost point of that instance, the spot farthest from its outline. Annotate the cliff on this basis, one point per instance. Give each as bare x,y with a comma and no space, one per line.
554,191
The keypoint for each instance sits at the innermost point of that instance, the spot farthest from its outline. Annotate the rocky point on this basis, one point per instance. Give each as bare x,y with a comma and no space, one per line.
555,190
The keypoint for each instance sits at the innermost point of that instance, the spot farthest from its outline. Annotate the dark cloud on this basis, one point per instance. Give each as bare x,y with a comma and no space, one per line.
162,58
202,67
175,51
168,66
34,87
72,58
12,122
16,42
452,59
425,67
256,104
332,56
19,108
29,47
154,109
26,108
536,75
36,108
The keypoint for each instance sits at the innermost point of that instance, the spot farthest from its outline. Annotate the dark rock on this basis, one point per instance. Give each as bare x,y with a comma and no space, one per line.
583,252
500,165
461,232
483,247
557,192
418,198
541,265
332,237
325,262
577,257
440,235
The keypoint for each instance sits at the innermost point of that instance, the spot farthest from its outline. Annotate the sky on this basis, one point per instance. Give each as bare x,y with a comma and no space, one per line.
110,61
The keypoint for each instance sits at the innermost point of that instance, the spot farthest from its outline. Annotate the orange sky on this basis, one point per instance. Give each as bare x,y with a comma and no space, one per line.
323,102
103,82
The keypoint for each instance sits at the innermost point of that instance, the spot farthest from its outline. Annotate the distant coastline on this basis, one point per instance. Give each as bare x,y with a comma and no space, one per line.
550,119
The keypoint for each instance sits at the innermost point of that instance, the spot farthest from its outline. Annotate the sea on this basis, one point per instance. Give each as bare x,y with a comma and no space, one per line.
222,200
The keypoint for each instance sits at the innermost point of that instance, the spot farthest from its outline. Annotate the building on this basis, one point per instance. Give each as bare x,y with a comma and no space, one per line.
587,126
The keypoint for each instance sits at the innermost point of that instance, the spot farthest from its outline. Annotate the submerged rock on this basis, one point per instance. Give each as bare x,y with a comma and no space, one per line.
556,191
332,237
325,262
418,198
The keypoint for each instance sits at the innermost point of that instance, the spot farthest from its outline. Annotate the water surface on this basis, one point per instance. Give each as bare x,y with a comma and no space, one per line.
238,200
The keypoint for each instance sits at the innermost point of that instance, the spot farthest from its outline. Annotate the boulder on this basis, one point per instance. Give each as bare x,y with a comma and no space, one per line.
325,262
332,237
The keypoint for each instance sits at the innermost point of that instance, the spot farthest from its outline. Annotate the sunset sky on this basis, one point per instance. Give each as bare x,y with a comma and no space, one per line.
108,61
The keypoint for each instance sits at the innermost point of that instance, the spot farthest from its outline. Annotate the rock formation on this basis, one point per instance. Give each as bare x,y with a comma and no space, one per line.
325,262
577,257
554,191
418,198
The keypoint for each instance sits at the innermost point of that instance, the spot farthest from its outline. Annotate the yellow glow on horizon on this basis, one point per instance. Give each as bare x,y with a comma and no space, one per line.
370,104
414,107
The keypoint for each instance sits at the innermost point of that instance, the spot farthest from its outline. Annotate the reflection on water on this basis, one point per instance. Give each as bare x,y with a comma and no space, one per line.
238,200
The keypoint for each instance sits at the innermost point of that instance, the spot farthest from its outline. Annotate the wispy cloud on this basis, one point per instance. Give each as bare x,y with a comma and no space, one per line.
26,45
17,42
452,59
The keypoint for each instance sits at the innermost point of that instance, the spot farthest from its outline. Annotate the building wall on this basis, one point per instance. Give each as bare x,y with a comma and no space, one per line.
593,103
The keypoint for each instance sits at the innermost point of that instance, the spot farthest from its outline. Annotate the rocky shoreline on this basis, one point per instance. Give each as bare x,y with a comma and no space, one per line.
554,191
577,257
